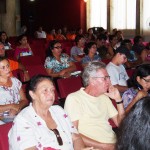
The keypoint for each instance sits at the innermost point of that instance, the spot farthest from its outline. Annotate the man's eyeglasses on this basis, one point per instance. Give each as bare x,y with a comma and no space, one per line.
59,139
105,78
58,47
146,80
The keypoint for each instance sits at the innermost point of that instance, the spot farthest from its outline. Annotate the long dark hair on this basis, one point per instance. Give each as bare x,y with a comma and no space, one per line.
141,71
3,32
50,48
134,132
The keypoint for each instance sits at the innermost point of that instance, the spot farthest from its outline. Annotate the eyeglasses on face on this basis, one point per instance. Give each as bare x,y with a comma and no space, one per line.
105,78
146,80
59,139
58,47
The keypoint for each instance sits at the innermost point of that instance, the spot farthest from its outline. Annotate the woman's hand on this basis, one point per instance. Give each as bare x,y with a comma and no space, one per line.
15,107
12,112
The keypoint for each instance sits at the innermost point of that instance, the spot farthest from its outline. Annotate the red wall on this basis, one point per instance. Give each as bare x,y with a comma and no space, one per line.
53,14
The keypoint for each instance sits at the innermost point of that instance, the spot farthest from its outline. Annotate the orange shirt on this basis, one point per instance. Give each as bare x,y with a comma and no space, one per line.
14,65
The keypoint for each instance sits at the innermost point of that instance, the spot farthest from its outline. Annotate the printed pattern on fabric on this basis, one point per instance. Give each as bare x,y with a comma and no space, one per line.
52,63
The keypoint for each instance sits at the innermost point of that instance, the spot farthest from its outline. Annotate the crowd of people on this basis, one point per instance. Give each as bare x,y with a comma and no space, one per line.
83,122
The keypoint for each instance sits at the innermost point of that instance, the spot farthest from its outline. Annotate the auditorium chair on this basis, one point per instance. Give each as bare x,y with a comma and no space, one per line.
4,129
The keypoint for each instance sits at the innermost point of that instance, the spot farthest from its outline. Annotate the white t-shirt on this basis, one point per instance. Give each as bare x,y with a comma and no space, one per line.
41,34
30,130
118,74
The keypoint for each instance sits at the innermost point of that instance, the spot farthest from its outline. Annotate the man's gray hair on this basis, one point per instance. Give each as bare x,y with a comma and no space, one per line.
90,70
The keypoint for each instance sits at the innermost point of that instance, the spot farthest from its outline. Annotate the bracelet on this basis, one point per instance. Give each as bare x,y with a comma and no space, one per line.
119,102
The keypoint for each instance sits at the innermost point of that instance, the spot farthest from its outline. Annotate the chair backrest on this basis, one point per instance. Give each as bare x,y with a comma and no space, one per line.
4,129
130,72
106,61
69,85
36,69
78,66
31,60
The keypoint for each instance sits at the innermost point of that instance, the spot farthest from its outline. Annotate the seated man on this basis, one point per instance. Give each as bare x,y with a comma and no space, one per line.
134,59
116,70
90,108
14,65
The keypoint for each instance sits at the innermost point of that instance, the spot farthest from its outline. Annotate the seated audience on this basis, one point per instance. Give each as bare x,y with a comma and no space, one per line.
90,54
120,37
65,31
12,95
90,36
112,45
51,36
114,31
23,30
101,46
134,133
23,48
58,64
79,31
41,125
77,52
145,56
14,65
59,35
90,108
134,58
4,40
116,70
40,34
139,85
138,46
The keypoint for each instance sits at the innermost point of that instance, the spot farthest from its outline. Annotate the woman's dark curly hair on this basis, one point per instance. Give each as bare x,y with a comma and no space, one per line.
88,46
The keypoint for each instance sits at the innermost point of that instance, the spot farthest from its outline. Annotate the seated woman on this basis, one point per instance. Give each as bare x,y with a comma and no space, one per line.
140,86
112,45
58,64
23,49
59,35
12,95
4,40
135,128
90,54
90,36
41,125
77,52
145,55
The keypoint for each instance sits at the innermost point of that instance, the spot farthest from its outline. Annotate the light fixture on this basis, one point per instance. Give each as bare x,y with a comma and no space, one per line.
85,1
